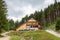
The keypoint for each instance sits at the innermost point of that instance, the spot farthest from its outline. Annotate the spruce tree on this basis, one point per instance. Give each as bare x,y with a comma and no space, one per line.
3,11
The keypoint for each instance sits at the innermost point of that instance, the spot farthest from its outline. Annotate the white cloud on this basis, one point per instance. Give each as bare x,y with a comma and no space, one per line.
28,9
19,8
58,0
48,2
14,18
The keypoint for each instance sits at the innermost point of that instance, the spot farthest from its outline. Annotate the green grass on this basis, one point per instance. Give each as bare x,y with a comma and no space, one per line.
32,35
51,27
15,38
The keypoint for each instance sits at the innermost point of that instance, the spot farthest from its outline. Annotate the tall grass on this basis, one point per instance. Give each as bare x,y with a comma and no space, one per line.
33,35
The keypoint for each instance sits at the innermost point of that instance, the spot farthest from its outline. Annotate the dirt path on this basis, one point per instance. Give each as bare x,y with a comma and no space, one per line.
6,37
53,32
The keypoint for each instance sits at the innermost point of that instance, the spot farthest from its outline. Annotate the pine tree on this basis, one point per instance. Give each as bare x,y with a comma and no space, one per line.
3,20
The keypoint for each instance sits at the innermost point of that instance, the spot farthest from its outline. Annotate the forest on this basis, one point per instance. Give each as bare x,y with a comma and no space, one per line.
5,24
46,17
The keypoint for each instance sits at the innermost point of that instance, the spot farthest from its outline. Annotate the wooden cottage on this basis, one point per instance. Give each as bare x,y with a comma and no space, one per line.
31,24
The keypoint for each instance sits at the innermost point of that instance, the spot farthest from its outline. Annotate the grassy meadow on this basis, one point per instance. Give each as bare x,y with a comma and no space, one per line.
32,35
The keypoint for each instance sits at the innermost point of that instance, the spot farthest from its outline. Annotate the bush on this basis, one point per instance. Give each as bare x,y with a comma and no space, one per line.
58,24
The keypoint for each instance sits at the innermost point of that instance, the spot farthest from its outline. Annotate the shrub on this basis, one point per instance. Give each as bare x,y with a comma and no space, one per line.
58,24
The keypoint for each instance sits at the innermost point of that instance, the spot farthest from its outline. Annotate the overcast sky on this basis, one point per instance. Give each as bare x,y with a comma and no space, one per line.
20,8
